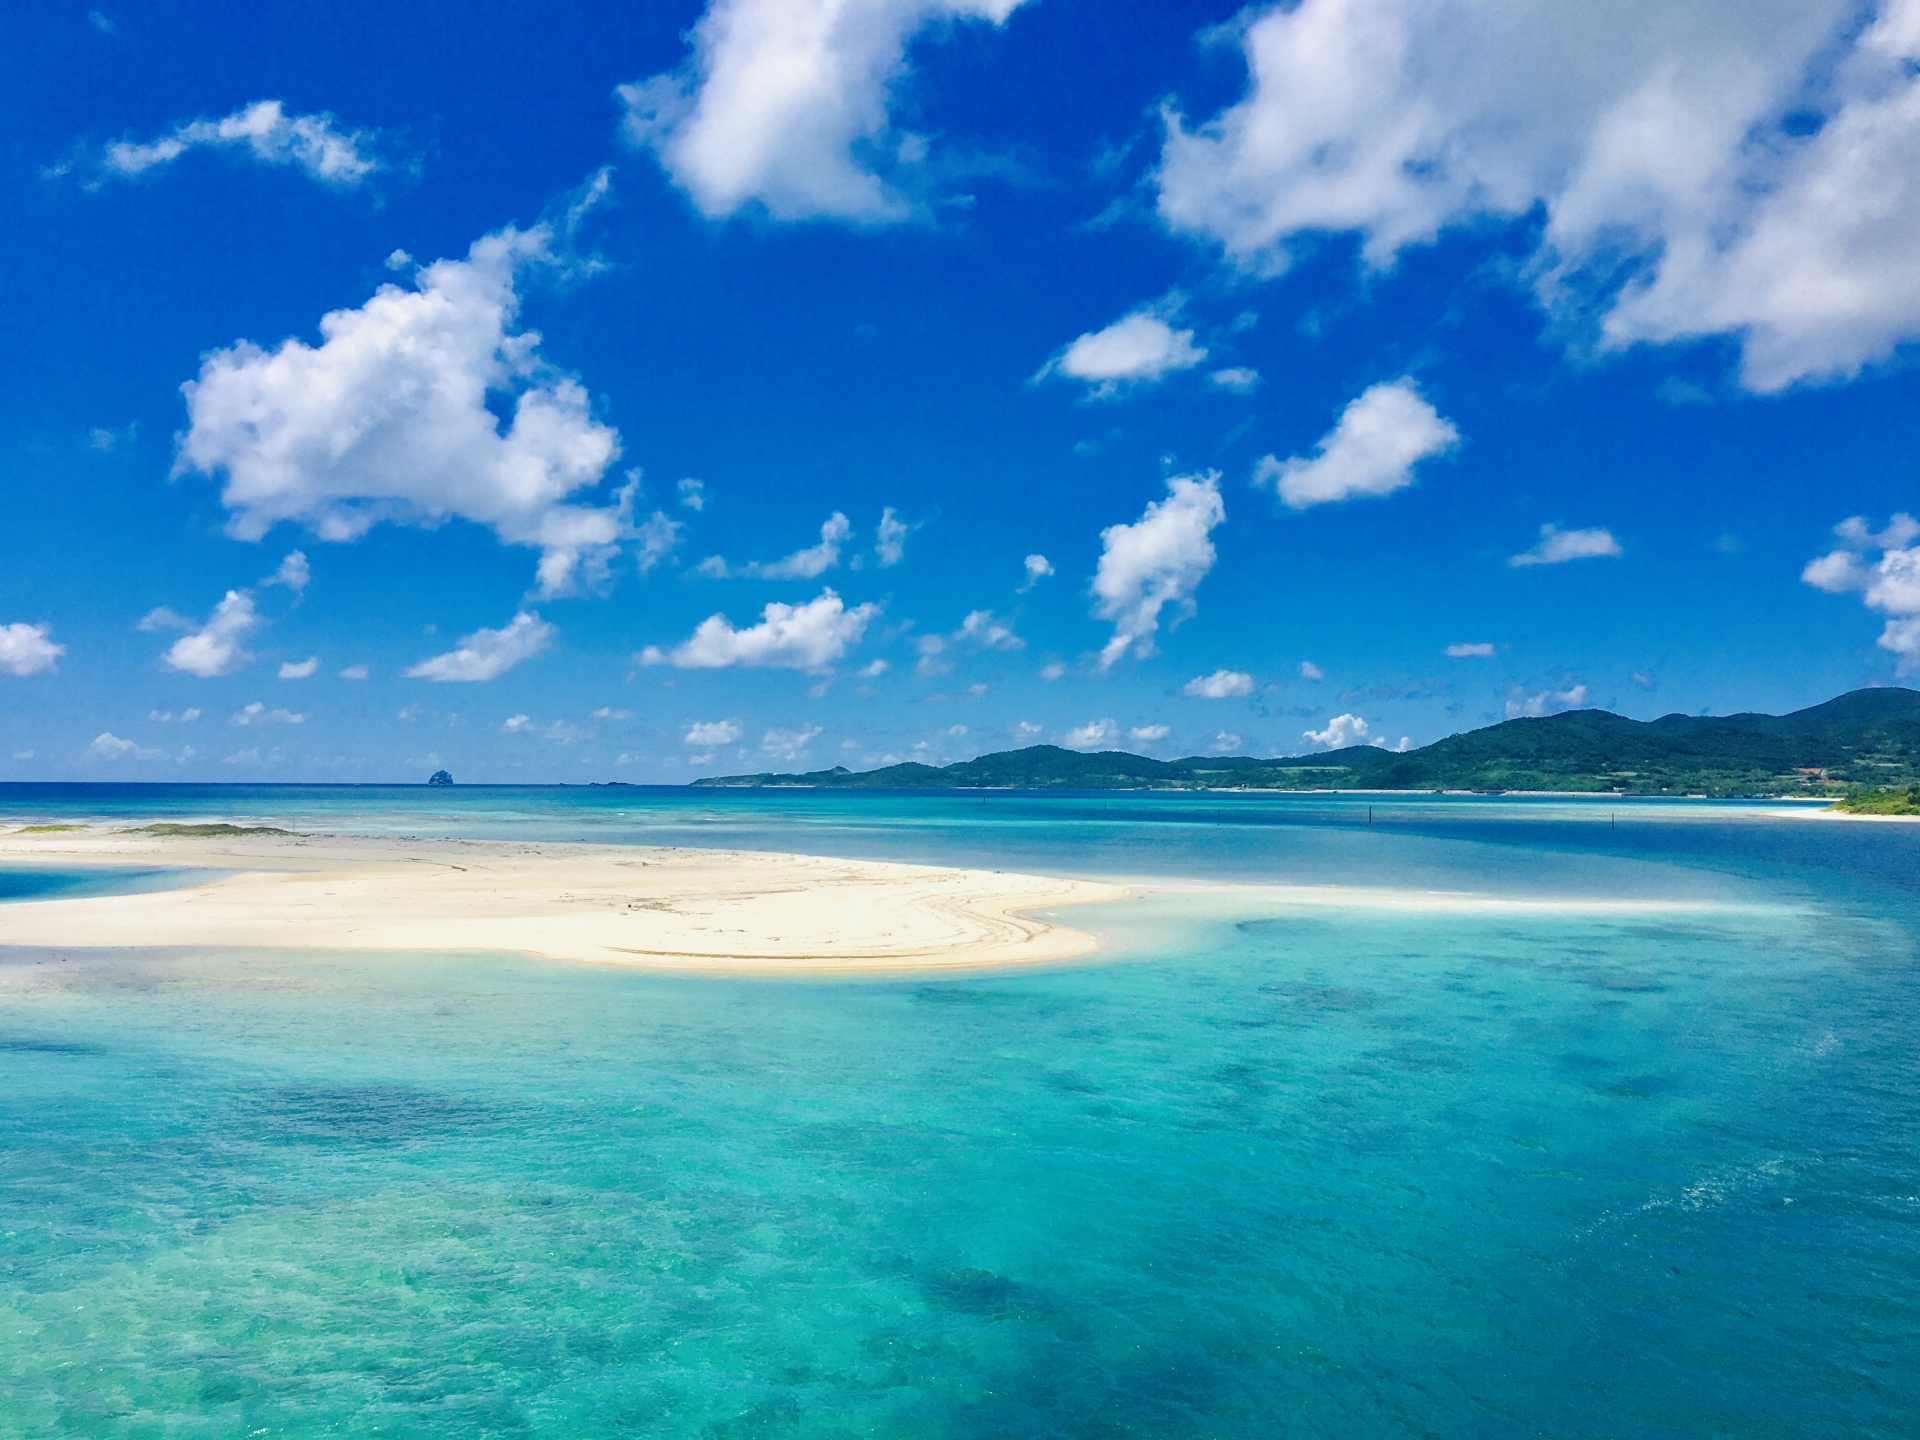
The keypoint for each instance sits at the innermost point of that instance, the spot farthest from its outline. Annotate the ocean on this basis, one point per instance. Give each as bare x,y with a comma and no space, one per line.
1338,1162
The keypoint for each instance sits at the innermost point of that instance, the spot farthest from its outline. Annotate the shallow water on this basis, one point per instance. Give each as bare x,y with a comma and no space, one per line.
75,883
1265,1168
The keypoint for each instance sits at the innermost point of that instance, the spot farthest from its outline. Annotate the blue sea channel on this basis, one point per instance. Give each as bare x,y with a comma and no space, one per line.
1319,1144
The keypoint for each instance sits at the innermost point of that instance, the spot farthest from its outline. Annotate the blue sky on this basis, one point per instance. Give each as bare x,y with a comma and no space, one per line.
638,393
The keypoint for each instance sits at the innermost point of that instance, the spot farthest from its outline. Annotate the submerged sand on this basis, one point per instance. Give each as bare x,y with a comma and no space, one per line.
712,910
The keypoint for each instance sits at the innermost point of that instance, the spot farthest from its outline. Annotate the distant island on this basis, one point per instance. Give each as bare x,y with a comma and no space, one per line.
1862,749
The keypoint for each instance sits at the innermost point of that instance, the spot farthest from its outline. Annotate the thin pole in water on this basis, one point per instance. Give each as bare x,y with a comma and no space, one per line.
1369,814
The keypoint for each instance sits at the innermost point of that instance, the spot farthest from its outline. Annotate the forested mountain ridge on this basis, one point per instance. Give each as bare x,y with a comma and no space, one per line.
1867,738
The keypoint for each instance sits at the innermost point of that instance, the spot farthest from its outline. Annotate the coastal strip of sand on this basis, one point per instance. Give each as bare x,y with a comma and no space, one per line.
679,909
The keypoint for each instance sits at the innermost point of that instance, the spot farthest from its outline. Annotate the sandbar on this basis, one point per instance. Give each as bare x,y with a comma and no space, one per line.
675,909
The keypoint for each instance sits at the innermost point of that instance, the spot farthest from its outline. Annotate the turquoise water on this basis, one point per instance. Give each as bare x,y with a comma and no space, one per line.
1264,1169
48,883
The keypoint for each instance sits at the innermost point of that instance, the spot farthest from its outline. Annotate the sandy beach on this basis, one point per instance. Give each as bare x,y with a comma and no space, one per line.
708,910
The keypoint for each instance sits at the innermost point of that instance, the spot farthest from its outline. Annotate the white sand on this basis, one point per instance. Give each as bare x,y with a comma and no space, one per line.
709,910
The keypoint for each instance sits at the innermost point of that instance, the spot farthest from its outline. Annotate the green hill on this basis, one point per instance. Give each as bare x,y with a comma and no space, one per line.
1866,741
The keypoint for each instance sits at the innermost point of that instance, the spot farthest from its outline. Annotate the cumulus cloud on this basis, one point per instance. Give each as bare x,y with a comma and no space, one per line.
1311,671
873,670
1235,378
214,649
1380,437
191,713
1157,561
1220,685
257,713
792,637
1890,584
1344,731
1148,733
800,565
291,671
1038,568
1545,702
1737,167
1341,732
108,746
693,495
1140,348
1091,735
387,419
25,650
890,540
788,744
785,103
293,573
487,653
354,672
264,131
1558,546
712,732
1466,649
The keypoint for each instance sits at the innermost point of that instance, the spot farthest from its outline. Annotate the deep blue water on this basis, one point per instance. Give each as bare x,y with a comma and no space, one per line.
1266,1168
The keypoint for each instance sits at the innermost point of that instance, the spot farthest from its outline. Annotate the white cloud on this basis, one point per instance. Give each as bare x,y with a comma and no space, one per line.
1380,437
693,494
890,540
1679,201
607,712
108,746
1468,648
1558,546
387,420
812,561
216,648
1237,379
398,259
186,716
712,732
1140,348
1891,583
291,671
1148,732
1092,735
516,724
872,670
293,573
1038,568
1158,560
487,653
1220,685
263,129
101,23
25,650
1546,702
1224,741
785,103
1341,732
1311,671
800,565
788,744
257,713
1052,670
354,672
982,630
656,538
793,637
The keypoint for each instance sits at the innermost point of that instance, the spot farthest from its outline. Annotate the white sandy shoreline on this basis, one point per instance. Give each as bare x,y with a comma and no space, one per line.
679,909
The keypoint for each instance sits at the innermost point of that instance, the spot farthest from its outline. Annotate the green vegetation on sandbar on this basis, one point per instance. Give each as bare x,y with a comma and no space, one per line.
1868,740
1861,801
45,829
204,831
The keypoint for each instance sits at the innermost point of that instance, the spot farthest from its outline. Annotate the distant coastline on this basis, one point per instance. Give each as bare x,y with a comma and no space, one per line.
1855,748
